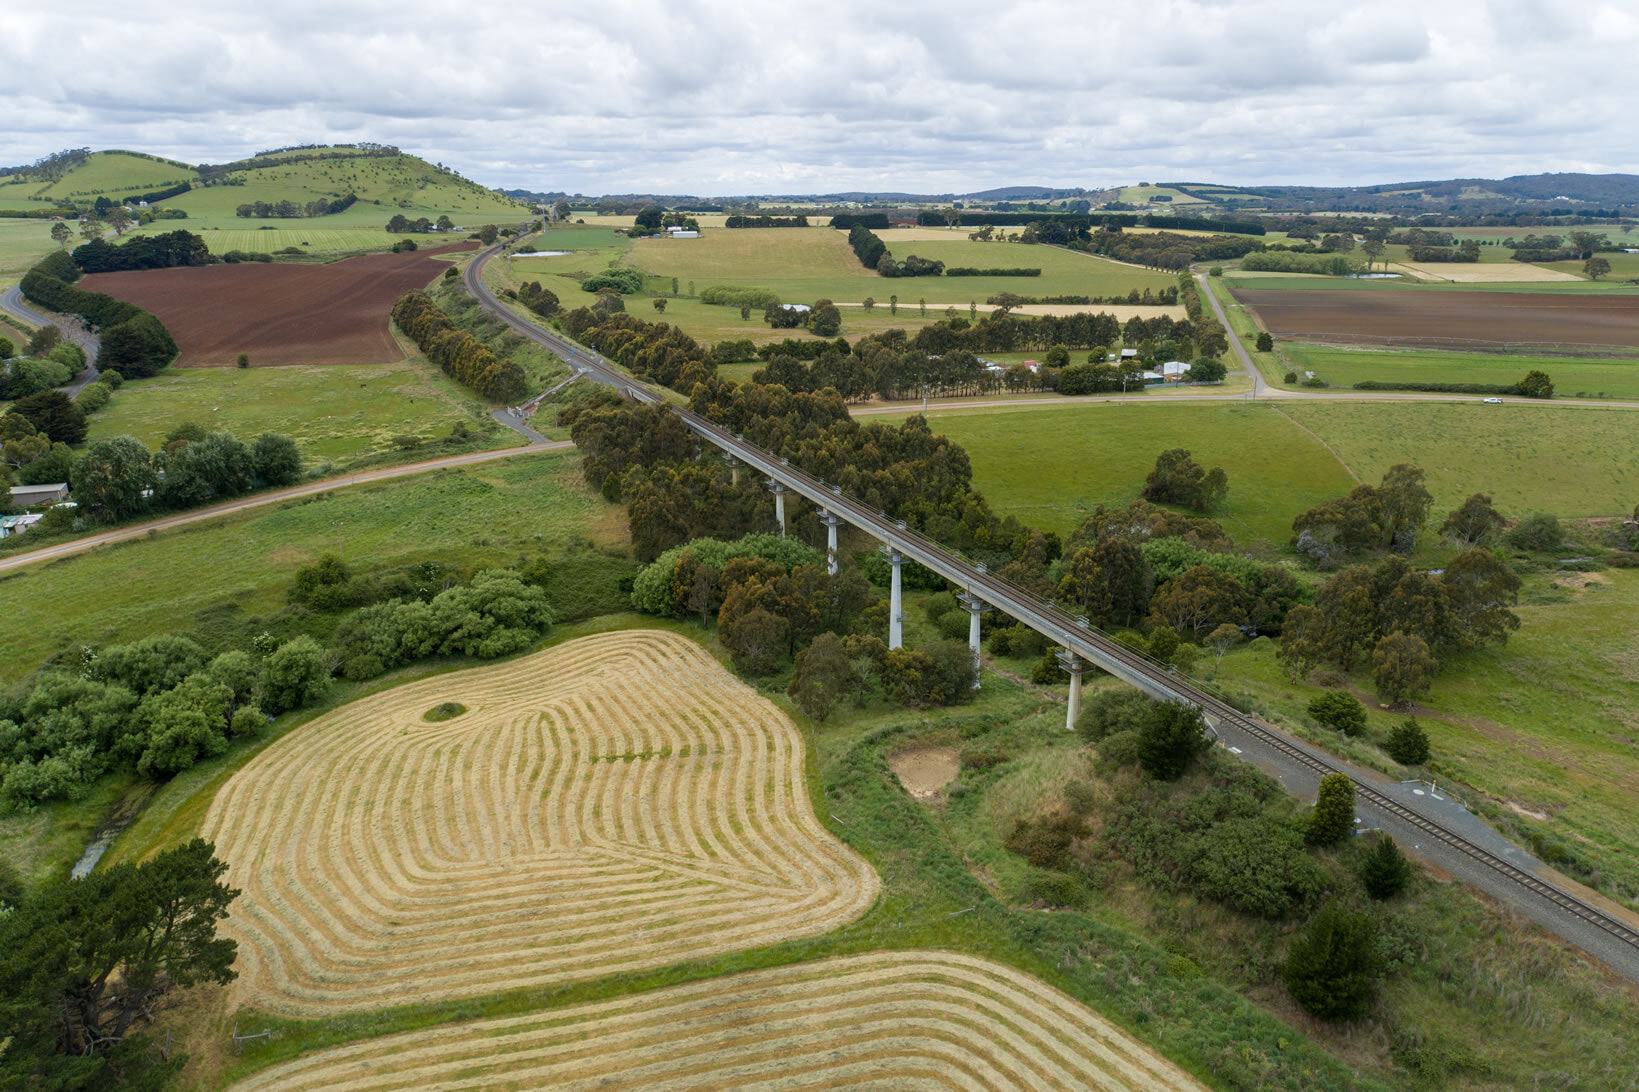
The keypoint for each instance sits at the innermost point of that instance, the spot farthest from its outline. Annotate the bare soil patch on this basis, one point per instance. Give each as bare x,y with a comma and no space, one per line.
925,771
1448,319
616,803
279,313
883,1019
1581,581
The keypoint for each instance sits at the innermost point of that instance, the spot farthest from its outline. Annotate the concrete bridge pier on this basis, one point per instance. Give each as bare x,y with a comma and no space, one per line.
975,607
832,521
896,605
1075,665
778,488
733,469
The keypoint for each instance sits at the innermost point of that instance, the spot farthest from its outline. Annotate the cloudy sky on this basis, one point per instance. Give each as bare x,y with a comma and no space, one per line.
708,97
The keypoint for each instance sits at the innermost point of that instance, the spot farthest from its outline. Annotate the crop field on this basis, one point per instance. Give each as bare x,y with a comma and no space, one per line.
492,514
1593,377
331,411
1449,319
615,803
900,1019
320,236
278,313
1050,465
1568,460
1510,272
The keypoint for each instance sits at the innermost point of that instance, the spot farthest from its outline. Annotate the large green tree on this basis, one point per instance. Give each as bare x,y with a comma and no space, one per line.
1171,736
113,479
1402,667
83,961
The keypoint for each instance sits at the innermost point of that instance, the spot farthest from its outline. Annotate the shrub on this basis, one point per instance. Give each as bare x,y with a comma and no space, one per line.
1333,816
1110,711
1045,841
1172,735
1265,343
1331,970
297,672
938,604
1385,871
1407,743
1540,532
623,281
1339,710
93,398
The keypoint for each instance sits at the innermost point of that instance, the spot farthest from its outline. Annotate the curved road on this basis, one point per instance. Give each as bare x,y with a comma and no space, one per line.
11,301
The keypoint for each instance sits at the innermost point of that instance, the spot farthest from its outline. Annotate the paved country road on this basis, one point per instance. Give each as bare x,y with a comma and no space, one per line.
241,504
11,301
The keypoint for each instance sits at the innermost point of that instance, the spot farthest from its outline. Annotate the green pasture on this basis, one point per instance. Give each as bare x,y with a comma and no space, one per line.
803,265
1544,723
210,577
1530,457
1592,377
1050,466
1140,195
332,412
1623,267
115,175
24,242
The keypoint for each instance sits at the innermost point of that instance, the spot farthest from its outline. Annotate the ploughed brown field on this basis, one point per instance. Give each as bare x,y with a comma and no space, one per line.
1447,318
278,313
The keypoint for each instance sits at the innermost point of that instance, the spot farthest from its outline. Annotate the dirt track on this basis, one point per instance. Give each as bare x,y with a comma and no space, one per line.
1449,319
279,313
884,1019
616,803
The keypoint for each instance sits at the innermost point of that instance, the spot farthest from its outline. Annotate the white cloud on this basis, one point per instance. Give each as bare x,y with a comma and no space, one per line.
710,97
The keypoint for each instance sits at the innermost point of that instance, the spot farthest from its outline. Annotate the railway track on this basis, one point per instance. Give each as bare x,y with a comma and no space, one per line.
1150,675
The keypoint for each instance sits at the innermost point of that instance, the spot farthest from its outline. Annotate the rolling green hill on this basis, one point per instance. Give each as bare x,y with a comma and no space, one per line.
381,177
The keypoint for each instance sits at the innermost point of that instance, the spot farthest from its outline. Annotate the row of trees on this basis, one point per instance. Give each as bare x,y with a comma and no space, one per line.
462,357
656,351
399,224
134,342
162,251
289,210
118,478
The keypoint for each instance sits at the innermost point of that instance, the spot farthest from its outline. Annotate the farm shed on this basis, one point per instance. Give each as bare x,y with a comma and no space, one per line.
33,496
16,525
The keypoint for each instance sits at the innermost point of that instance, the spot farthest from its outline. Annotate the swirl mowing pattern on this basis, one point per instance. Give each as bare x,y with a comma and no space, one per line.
616,803
897,1020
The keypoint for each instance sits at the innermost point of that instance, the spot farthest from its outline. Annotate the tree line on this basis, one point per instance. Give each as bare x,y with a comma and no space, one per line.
134,342
461,356
289,210
162,251
741,221
655,351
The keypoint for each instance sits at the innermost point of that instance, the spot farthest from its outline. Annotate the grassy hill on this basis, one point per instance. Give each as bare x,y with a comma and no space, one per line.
383,178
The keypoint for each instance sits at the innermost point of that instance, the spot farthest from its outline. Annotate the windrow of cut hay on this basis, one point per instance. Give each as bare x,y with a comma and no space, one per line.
616,803
884,1019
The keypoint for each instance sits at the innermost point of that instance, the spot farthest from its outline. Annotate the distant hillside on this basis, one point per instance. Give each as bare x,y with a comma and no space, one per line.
1520,193
376,174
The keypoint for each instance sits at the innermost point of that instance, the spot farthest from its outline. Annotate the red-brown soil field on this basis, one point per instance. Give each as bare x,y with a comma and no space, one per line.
1451,319
278,313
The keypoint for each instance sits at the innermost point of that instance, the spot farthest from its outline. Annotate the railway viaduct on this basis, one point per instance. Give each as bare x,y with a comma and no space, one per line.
1604,935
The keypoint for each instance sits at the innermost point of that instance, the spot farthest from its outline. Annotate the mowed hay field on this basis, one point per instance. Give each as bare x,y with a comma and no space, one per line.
899,1020
615,803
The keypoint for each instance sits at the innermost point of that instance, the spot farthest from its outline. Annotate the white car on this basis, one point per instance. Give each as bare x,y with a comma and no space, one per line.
1492,401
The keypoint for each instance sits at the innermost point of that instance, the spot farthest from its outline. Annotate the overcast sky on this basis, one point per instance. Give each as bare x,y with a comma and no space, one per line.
698,96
